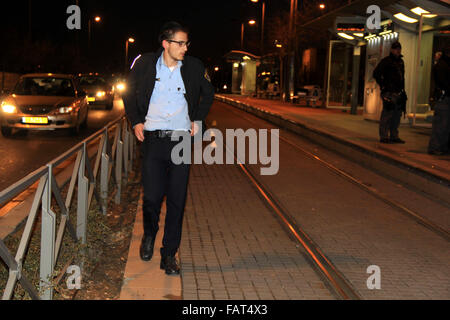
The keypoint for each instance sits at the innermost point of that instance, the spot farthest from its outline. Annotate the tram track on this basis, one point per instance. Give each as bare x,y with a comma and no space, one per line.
335,280
417,217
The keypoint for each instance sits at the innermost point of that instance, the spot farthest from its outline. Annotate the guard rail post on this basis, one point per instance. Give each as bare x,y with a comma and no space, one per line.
48,228
104,174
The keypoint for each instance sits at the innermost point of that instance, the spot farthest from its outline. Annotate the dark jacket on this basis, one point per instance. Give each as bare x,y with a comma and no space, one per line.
441,72
390,74
141,82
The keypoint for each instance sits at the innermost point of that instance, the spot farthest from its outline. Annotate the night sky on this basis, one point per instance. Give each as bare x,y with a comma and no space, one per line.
215,28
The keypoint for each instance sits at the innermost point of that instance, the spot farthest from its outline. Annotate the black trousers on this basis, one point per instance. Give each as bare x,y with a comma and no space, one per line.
390,120
160,177
441,127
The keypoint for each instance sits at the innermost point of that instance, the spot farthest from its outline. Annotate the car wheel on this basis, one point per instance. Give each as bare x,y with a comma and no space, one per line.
6,131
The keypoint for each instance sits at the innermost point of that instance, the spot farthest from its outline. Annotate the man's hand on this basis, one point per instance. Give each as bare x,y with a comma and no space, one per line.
139,131
194,129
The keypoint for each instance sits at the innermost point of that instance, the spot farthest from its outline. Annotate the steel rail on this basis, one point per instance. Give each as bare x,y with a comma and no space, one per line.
374,192
337,281
381,196
335,278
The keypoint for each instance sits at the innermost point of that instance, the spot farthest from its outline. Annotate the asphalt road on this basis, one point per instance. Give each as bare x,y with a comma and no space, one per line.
26,151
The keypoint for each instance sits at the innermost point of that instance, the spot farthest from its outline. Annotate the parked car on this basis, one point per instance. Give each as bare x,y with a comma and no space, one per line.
44,102
98,89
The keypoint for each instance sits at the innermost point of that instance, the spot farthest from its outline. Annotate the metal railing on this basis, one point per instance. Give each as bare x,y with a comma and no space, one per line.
117,155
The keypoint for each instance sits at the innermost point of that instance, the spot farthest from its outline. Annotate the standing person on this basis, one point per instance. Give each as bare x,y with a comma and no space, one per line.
164,99
390,76
439,142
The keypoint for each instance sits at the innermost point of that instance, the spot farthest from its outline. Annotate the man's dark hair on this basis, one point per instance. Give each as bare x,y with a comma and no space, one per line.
396,45
169,29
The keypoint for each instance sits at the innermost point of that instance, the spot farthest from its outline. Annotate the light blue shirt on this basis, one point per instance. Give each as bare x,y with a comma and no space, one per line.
168,108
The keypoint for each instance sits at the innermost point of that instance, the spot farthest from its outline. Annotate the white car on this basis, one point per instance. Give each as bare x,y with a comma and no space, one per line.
44,102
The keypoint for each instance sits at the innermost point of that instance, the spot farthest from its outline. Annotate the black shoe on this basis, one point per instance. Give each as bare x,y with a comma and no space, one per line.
146,250
170,265
397,140
385,140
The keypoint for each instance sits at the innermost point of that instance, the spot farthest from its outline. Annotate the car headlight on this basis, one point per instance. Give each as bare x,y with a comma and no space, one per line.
65,110
120,87
101,94
8,108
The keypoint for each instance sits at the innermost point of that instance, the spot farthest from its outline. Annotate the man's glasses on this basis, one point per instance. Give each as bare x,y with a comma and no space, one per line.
181,43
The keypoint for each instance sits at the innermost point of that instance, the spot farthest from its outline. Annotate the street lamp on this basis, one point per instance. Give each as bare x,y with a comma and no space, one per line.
129,40
250,22
97,19
263,15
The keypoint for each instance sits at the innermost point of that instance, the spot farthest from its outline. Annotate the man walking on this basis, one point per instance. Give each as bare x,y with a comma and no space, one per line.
390,76
168,93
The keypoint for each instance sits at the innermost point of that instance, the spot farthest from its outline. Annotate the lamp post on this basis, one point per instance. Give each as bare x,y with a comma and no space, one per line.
129,40
250,22
96,19
263,17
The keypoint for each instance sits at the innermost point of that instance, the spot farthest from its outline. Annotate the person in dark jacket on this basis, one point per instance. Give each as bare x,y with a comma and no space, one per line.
439,141
390,76
168,93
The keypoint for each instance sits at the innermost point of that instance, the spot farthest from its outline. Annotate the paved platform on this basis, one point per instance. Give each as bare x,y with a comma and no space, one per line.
234,248
228,249
145,280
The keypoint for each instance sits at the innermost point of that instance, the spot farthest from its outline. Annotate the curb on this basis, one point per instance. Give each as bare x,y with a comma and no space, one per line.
387,164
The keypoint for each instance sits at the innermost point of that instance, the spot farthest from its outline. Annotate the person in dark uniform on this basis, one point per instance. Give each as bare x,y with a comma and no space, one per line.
390,76
168,93
439,141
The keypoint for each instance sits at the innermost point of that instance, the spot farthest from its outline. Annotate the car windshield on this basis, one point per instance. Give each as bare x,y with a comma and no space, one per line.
45,86
92,81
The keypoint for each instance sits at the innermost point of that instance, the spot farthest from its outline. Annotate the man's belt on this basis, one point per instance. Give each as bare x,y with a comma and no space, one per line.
162,133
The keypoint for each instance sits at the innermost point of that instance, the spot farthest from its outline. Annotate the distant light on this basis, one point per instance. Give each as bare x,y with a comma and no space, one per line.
402,17
50,74
236,65
346,36
131,40
359,34
225,87
216,69
246,58
419,11
251,22
98,19
279,45
322,6
120,87
255,1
